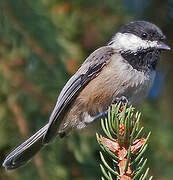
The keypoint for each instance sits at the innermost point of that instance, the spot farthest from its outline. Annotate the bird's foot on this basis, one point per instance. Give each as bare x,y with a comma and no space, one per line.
121,99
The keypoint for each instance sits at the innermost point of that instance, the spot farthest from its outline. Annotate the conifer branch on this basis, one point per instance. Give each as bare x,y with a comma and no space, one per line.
123,144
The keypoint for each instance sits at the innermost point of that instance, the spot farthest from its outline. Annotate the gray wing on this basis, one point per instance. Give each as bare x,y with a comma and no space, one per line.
88,71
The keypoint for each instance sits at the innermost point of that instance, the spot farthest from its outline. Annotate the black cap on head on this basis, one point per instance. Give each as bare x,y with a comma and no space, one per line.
144,30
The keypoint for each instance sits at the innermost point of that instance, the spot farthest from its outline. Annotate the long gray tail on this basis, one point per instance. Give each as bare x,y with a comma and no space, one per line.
23,153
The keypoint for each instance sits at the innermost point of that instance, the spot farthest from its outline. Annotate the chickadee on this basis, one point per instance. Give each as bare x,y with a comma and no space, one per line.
126,67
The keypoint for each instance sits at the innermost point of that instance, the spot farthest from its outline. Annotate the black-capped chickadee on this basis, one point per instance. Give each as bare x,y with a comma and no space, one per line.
123,68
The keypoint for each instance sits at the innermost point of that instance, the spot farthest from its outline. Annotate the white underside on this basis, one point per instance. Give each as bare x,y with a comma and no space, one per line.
124,81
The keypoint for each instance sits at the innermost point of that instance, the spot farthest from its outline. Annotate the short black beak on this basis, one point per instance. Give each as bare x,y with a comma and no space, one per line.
162,46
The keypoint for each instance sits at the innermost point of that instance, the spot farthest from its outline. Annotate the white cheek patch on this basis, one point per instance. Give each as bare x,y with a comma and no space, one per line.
131,42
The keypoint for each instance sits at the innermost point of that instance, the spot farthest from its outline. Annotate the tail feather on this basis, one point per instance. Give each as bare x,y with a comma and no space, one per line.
24,152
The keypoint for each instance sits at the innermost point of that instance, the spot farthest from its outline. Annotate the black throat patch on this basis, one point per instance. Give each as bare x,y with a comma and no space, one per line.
142,60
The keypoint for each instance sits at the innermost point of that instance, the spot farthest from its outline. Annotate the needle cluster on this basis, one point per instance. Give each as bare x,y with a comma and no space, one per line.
124,145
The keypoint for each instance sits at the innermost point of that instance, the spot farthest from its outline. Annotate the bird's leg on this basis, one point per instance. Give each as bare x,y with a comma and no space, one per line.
101,115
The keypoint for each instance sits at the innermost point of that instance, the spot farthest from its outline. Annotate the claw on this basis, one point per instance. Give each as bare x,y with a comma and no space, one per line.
122,99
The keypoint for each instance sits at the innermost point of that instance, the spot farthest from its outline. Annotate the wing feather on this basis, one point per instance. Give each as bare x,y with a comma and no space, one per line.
88,71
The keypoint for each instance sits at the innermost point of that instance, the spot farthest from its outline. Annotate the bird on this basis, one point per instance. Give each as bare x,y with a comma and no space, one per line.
124,68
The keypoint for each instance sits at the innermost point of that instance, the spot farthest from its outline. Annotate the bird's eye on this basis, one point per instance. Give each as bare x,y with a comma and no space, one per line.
144,35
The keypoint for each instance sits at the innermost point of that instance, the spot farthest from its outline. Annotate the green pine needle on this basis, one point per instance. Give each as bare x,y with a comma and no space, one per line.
140,171
140,154
107,166
128,159
145,175
104,172
124,135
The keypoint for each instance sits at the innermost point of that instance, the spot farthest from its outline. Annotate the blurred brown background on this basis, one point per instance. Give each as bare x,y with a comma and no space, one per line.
42,43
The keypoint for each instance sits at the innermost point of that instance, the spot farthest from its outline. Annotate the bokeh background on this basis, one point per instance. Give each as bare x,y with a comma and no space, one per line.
42,43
